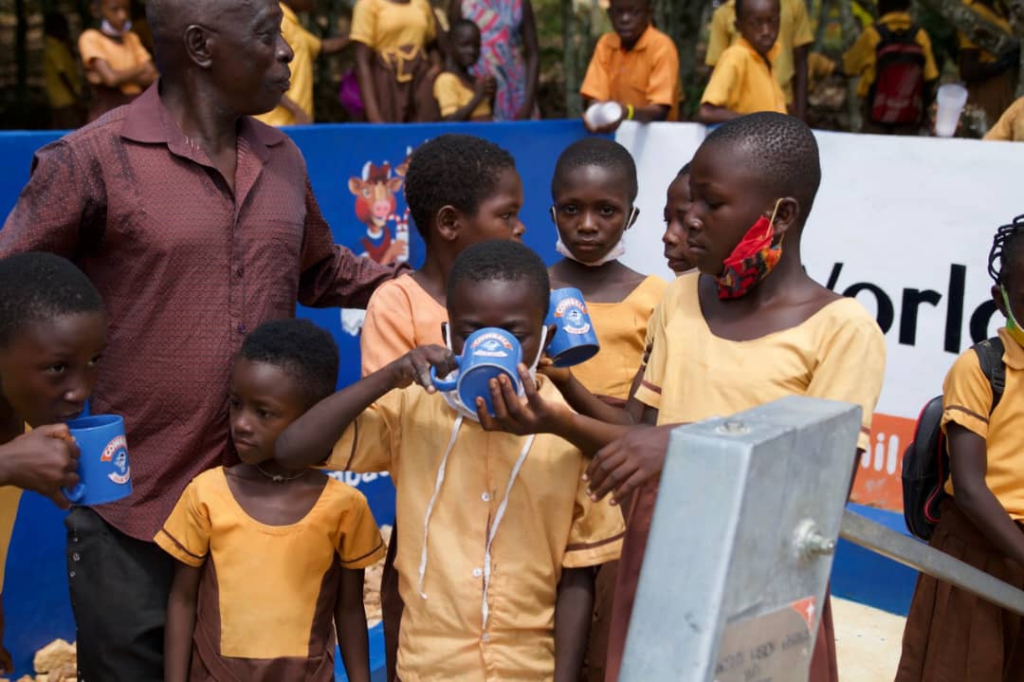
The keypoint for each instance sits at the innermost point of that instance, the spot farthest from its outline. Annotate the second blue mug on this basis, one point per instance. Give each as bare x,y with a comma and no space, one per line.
487,354
575,341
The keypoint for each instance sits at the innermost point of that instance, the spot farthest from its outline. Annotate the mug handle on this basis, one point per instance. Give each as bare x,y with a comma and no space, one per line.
76,494
442,384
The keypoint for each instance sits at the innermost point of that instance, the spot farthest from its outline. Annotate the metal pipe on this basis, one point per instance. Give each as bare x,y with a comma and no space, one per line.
917,555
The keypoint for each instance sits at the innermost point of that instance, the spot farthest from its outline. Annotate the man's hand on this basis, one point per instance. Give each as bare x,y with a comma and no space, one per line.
623,465
520,416
414,366
43,460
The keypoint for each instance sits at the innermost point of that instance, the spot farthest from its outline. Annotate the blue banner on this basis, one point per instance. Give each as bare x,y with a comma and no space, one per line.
343,160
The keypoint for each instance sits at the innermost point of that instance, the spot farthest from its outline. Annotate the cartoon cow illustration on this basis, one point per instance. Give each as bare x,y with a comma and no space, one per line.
375,206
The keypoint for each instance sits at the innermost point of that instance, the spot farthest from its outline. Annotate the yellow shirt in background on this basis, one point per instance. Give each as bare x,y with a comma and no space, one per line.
549,524
306,47
57,62
1010,127
647,74
400,316
621,330
967,399
743,82
452,94
836,354
860,59
121,56
391,28
794,31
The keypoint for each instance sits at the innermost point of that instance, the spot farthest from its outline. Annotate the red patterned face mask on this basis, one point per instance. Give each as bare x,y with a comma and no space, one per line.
751,260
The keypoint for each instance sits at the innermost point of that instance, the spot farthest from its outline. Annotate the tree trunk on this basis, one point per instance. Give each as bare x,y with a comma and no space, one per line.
979,30
570,61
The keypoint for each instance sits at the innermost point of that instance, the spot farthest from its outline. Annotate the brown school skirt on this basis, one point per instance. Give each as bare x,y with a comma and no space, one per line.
405,90
638,525
952,635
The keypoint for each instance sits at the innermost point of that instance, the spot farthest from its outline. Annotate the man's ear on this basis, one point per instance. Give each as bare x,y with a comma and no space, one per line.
197,45
787,215
448,223
997,298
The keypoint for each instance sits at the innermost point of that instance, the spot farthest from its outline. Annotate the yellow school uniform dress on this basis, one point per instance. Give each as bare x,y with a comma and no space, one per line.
124,55
743,82
542,522
1010,127
621,330
647,74
400,316
794,31
398,32
860,59
10,497
306,47
268,593
452,94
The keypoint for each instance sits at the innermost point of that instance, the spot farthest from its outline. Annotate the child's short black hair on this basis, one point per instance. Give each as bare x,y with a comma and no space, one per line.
596,151
500,260
452,170
782,147
739,7
37,286
887,6
1006,246
464,24
302,349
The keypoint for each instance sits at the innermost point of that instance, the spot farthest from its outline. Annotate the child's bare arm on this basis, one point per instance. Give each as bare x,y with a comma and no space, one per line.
350,622
589,405
308,440
573,613
181,623
710,114
968,460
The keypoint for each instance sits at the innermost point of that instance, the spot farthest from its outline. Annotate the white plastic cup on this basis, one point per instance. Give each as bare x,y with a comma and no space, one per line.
950,101
602,114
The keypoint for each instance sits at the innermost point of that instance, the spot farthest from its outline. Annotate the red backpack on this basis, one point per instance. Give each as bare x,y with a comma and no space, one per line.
898,91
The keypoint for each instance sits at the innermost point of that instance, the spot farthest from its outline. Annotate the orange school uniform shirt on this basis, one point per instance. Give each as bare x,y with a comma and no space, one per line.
647,74
400,316
621,330
267,595
743,81
450,505
127,54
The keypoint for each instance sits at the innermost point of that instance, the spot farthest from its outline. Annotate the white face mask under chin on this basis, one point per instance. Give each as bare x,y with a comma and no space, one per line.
469,411
615,253
106,28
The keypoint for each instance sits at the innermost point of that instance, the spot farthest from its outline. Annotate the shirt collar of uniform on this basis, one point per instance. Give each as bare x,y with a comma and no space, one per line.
772,53
1013,353
641,44
149,121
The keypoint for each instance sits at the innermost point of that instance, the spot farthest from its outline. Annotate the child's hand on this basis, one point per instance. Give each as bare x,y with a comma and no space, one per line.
560,376
43,461
623,465
6,662
415,366
513,414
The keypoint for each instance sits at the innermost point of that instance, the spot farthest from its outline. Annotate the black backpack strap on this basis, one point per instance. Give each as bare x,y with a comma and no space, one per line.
884,32
990,357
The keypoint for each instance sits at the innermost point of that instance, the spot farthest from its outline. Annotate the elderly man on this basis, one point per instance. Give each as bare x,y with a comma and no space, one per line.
196,223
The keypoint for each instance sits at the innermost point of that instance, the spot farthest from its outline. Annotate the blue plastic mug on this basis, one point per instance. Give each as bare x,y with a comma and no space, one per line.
575,341
488,353
102,462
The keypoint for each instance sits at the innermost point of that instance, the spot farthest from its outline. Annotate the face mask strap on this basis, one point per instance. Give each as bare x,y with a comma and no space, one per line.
771,221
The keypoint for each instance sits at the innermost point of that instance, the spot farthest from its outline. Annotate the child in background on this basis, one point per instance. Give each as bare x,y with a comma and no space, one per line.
270,559
498,538
396,59
1010,126
677,203
593,190
742,82
117,66
53,329
951,633
60,74
636,66
460,96
296,107
750,328
461,190
912,69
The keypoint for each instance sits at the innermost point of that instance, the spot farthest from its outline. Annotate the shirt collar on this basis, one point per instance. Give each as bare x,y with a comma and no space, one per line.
772,53
641,44
149,121
1013,355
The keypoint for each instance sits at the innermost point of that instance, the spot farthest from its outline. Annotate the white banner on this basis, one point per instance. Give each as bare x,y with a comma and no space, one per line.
904,224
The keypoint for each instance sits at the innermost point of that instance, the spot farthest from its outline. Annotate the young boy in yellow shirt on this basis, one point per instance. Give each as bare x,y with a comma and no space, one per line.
498,537
743,82
460,96
636,66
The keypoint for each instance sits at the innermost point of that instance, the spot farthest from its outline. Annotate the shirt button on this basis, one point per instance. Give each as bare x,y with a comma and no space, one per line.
486,637
477,572
239,271
486,497
241,328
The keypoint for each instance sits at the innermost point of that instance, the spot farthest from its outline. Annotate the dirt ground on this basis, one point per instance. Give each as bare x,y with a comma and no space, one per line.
867,642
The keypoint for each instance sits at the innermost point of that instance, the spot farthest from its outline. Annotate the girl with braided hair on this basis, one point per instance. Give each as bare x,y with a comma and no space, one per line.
951,634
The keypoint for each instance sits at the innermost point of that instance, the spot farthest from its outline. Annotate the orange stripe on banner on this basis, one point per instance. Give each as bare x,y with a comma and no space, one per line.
878,481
